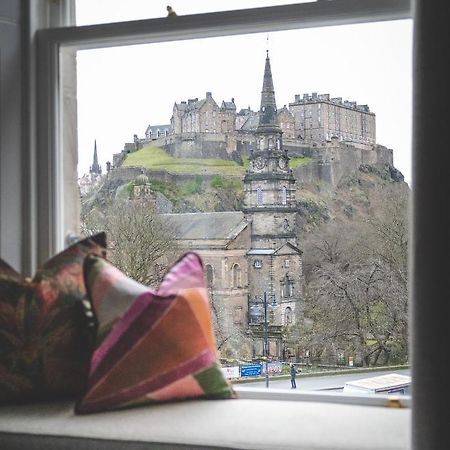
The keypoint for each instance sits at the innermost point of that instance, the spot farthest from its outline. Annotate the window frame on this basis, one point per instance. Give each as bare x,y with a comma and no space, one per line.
54,43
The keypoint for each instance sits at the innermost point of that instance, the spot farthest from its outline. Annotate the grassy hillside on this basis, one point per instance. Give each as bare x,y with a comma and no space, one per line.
154,158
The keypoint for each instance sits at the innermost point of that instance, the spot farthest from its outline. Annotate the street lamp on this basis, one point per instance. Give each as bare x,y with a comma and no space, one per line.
266,340
255,316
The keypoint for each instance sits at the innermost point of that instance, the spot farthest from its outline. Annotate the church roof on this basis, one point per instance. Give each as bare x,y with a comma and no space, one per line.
268,109
208,226
287,249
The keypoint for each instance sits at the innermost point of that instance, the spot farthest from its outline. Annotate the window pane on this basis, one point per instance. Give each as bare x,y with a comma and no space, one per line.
90,12
279,159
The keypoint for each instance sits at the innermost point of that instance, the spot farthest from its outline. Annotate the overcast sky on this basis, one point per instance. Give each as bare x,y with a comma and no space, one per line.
123,90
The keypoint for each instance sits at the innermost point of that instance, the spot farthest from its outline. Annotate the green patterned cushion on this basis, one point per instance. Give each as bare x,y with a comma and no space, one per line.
47,327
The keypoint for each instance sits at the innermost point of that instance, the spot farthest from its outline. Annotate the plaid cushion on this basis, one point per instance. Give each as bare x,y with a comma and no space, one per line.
47,327
155,346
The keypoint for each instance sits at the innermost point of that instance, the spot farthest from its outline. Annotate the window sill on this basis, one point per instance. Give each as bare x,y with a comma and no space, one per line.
245,423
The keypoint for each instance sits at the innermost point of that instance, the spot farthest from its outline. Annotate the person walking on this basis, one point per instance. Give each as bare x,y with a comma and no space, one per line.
293,375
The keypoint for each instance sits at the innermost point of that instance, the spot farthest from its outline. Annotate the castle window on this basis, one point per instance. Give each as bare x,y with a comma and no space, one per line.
236,274
286,263
284,195
259,196
257,264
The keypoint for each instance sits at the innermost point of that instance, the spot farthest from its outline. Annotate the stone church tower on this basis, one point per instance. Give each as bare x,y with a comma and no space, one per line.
95,169
275,264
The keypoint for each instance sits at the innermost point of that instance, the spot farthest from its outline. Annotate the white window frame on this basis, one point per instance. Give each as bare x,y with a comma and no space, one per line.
52,43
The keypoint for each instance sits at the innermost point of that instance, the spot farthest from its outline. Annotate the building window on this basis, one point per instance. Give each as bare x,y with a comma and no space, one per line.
259,196
284,195
288,316
236,276
257,264
286,263
287,287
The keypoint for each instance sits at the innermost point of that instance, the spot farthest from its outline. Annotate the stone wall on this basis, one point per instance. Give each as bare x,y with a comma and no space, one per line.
338,160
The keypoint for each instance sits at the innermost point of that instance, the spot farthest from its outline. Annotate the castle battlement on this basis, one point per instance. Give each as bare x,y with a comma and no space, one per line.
325,98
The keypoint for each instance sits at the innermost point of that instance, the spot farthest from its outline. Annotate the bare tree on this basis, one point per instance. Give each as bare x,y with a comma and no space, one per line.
139,242
356,276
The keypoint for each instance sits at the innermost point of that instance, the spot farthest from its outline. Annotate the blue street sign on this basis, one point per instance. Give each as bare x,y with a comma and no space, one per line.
250,370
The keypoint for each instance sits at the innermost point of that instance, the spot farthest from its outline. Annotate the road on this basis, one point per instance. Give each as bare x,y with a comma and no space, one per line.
323,382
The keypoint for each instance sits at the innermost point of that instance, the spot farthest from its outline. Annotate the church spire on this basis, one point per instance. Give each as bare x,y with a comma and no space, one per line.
95,168
268,109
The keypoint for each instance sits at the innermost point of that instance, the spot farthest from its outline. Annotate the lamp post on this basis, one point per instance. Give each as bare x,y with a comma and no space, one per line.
257,316
266,340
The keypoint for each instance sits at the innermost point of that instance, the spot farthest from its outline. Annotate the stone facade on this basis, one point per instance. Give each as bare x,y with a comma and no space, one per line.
318,118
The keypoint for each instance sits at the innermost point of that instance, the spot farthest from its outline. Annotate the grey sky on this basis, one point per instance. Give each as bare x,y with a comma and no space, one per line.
122,90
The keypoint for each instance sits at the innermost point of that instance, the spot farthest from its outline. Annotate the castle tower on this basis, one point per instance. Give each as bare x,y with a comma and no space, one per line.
275,263
95,169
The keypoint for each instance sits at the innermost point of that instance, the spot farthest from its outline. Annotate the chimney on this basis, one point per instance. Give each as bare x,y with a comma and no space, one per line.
208,95
297,97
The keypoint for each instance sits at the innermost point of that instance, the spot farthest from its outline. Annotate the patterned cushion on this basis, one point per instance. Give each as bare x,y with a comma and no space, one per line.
47,329
158,345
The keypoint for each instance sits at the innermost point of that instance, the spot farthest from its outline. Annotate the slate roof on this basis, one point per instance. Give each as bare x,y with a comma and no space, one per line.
228,105
154,129
208,226
251,124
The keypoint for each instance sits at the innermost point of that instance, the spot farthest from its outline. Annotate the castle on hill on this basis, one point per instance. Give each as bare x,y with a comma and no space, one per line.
253,254
203,128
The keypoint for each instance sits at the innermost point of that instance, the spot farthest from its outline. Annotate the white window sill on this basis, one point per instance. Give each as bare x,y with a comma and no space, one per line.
245,423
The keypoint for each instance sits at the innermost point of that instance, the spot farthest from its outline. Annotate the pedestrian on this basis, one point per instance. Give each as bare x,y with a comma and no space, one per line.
293,374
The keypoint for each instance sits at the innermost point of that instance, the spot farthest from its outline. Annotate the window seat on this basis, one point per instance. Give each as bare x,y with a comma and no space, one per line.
244,423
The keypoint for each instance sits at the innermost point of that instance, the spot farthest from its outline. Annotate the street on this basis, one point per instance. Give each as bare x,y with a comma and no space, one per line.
319,383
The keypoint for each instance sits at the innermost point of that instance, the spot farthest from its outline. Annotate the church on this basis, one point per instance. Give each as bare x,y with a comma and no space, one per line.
252,259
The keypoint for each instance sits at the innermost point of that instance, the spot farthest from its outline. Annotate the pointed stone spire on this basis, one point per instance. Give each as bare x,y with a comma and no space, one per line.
95,168
268,109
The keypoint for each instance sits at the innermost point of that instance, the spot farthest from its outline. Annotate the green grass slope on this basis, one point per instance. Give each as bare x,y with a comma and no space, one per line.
154,158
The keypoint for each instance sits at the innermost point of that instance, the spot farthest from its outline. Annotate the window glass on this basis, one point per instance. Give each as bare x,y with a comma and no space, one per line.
166,138
90,12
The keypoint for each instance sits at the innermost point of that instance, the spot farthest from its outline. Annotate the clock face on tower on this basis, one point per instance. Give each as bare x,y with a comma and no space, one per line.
259,163
282,163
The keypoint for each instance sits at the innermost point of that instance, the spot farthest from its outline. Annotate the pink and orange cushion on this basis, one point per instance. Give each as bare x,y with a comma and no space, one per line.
47,327
154,346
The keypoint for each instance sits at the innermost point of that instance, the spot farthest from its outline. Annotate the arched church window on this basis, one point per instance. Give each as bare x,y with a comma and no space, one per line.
209,276
259,196
288,316
236,275
284,195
